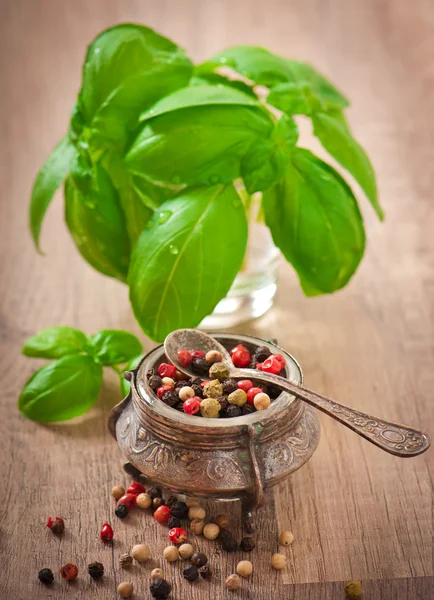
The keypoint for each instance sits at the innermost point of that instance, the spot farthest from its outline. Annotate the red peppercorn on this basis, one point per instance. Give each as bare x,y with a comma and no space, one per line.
136,488
198,354
271,365
57,525
163,389
259,366
192,406
129,500
238,347
281,359
252,393
106,533
162,514
245,385
69,572
166,370
184,357
241,357
177,535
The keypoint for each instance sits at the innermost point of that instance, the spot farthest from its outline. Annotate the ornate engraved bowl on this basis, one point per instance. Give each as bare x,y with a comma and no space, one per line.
215,458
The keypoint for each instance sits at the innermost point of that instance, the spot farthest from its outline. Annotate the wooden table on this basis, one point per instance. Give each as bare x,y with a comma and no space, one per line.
355,511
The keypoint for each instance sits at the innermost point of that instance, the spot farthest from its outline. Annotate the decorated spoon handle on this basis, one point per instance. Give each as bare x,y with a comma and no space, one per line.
396,439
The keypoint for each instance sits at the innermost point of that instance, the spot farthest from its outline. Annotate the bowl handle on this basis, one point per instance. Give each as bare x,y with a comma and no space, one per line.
117,410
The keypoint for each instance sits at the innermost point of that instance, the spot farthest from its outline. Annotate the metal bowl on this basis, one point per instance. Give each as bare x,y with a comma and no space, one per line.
215,458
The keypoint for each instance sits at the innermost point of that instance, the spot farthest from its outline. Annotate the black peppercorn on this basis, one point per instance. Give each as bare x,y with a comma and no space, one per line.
248,409
247,544
150,372
181,384
195,381
170,398
190,573
199,559
173,522
157,502
198,390
46,576
160,589
179,406
121,511
205,571
155,382
229,386
171,501
227,541
200,365
234,411
179,509
261,354
274,391
95,570
155,492
224,402
132,471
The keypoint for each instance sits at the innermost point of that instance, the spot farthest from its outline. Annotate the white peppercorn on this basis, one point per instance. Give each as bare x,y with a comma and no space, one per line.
117,492
141,553
186,551
286,538
171,553
211,531
196,512
244,568
144,500
157,573
278,561
125,589
186,392
233,582
261,401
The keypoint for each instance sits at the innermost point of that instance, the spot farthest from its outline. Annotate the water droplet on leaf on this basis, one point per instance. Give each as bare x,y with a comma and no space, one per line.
173,249
164,216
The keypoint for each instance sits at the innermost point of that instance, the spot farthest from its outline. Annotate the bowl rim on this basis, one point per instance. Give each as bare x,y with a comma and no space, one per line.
147,396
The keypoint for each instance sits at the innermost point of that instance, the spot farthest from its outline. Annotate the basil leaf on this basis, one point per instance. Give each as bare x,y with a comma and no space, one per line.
213,78
187,260
98,227
55,342
130,366
49,178
265,162
114,346
291,98
127,68
315,221
201,145
203,95
61,390
338,141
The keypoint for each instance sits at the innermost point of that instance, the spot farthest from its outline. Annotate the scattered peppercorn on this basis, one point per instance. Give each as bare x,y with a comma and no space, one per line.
353,589
136,488
162,513
157,503
219,371
196,512
173,522
46,576
126,561
171,553
186,392
227,541
155,492
233,582
156,573
205,571
190,573
141,553
191,406
247,544
199,364
244,568
210,408
222,521
117,492
106,533
155,382
125,589
199,559
170,397
168,381
178,535
95,570
271,365
121,511
69,571
213,389
144,501
286,538
241,357
160,589
179,509
166,370
186,551
278,561
57,525
234,411
211,531
238,398
197,526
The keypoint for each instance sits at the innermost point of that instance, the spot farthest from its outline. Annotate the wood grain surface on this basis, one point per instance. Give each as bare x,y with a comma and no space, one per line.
355,511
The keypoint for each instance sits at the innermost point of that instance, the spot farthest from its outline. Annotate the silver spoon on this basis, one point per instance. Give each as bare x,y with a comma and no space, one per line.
399,440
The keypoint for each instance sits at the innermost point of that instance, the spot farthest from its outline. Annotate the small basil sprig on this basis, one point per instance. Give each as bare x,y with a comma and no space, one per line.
69,386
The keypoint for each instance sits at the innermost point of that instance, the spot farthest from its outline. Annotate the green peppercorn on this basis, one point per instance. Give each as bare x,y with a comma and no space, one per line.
210,408
219,371
213,389
238,398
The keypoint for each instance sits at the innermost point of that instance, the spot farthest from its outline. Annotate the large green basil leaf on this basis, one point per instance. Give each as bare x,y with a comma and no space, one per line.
315,221
49,178
266,160
55,342
127,68
338,141
200,145
201,95
268,69
97,225
114,346
61,390
187,260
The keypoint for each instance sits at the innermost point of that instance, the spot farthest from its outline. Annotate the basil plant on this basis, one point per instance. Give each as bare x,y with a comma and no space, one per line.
153,149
